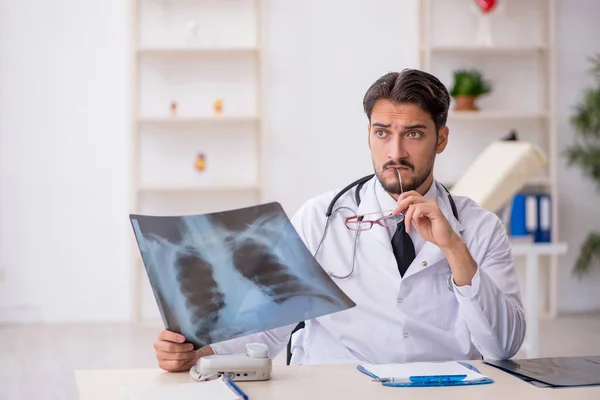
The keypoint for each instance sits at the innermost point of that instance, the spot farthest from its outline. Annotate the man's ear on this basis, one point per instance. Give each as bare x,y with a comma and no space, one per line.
442,140
369,134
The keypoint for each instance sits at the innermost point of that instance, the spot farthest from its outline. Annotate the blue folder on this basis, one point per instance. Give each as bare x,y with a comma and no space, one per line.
531,214
433,381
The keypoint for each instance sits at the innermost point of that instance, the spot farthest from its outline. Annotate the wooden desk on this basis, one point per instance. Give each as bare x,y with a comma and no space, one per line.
331,382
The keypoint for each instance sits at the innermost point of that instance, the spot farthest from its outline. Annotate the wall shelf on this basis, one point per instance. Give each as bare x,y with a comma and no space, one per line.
198,120
521,65
486,50
485,115
534,183
200,189
193,53
187,51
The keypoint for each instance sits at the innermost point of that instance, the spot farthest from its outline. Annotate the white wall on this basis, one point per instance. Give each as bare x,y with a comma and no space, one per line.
64,125
322,57
320,74
63,160
315,112
577,30
64,120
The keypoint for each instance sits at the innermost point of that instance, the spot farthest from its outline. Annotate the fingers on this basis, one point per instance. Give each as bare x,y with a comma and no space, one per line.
170,347
174,354
416,212
171,336
168,356
204,351
175,362
408,217
409,194
405,201
176,365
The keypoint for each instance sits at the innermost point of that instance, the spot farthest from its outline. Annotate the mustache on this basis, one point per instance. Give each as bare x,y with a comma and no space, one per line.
400,163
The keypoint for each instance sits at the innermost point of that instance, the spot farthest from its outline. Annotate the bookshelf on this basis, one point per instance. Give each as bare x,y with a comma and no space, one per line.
186,55
520,62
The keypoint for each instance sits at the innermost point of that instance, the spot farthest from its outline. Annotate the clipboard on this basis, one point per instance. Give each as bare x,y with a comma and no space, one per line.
434,379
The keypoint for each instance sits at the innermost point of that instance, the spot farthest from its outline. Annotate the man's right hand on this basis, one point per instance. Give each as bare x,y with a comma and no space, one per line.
174,354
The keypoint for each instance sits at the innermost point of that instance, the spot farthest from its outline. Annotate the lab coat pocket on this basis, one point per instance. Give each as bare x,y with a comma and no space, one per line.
444,311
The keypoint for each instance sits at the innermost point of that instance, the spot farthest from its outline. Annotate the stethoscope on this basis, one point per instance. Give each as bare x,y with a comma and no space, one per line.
359,183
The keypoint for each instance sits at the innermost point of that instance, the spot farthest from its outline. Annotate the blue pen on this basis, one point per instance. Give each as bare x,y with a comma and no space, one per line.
423,379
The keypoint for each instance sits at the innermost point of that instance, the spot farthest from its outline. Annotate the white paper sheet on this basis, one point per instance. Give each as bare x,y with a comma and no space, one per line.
216,389
405,371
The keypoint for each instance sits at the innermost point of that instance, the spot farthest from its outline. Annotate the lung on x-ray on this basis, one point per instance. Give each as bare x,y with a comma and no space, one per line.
228,274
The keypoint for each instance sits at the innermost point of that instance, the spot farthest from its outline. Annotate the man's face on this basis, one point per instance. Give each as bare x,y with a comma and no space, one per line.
402,138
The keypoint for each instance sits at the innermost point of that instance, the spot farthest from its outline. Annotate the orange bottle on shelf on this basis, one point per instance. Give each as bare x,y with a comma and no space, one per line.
200,162
218,106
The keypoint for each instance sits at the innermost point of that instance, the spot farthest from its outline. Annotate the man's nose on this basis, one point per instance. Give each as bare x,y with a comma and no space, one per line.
396,149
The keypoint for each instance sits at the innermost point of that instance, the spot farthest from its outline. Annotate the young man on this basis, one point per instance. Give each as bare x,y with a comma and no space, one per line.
440,285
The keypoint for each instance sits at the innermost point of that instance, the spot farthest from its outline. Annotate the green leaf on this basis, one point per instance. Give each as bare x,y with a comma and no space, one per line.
586,119
469,82
589,252
585,153
595,70
586,157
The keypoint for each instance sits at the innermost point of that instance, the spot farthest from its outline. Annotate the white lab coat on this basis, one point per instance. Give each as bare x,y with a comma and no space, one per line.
422,316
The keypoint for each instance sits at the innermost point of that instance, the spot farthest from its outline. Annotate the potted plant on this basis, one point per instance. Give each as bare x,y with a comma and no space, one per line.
468,86
585,152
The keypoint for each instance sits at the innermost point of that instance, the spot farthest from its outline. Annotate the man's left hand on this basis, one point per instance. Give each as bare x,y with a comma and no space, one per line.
427,218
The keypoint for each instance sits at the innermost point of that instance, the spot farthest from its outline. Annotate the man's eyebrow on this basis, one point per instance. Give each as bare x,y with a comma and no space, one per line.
381,125
414,126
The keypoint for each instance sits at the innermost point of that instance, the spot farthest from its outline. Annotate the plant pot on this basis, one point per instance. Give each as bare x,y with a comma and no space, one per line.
465,103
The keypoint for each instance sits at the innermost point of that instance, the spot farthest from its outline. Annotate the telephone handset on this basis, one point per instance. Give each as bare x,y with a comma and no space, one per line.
254,365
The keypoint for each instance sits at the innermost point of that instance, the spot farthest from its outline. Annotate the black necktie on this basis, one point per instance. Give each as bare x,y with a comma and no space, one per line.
403,247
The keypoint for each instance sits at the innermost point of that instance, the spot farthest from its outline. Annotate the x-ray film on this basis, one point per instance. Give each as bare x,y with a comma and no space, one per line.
233,273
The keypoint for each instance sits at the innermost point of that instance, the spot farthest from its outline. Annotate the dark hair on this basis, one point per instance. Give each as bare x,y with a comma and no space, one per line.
411,86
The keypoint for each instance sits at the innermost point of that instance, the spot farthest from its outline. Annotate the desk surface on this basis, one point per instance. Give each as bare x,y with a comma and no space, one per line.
331,382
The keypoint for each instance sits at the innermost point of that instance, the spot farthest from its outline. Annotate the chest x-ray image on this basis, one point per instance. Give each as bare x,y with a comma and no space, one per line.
233,273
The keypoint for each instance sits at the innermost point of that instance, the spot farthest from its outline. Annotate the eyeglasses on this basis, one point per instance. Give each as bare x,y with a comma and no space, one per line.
358,223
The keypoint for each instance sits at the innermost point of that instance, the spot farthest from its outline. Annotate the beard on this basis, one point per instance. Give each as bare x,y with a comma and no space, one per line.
393,186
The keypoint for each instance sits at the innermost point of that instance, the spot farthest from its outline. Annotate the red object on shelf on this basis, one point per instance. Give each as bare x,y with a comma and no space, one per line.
486,5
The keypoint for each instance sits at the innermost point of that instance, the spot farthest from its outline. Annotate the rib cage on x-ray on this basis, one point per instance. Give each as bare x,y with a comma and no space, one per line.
225,275
255,262
203,302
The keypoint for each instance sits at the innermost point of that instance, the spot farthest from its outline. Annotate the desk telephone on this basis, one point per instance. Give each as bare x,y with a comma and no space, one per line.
254,365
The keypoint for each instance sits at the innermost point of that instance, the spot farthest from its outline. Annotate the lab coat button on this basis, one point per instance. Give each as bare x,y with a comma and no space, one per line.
405,335
400,300
424,263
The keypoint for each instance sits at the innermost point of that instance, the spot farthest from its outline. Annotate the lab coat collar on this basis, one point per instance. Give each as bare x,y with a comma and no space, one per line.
373,190
430,254
444,203
370,204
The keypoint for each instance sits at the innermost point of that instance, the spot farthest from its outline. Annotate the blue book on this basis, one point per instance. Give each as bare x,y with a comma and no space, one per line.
518,223
543,233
